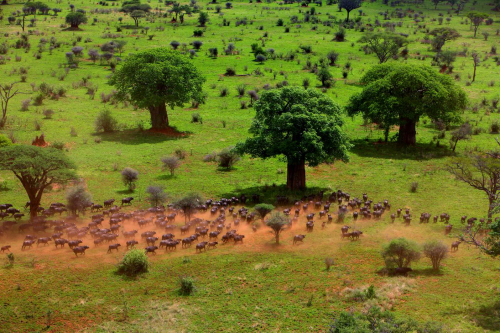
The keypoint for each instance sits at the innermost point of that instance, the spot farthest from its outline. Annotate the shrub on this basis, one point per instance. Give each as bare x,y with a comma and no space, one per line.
340,35
156,195
241,90
280,23
58,145
73,132
260,58
133,263
175,44
306,48
435,251
105,122
171,163
180,153
413,187
223,91
332,57
4,141
329,262
400,253
129,177
230,71
196,118
495,127
197,44
186,285
38,125
227,158
77,199
210,157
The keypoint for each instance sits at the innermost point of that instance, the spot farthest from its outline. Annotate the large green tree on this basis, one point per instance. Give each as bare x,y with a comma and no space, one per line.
399,94
156,78
300,126
36,168
136,9
384,44
75,19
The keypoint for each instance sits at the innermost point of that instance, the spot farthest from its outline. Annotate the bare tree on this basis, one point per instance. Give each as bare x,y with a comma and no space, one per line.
477,60
171,163
278,222
7,92
461,133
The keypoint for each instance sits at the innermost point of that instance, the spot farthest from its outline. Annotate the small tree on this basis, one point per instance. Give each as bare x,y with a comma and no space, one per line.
129,177
349,5
136,15
171,163
263,209
188,204
75,19
462,133
132,6
441,36
476,18
277,222
37,169
7,92
332,57
227,158
384,44
477,60
78,199
156,195
435,251
203,19
400,253
324,76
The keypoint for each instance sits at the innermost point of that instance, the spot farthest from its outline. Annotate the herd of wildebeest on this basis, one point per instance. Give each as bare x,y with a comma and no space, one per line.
227,215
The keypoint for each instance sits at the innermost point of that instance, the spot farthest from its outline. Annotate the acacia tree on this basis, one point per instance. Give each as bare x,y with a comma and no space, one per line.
156,195
399,94
400,253
136,9
278,222
136,15
436,251
461,133
349,5
78,199
441,36
384,44
188,204
75,19
156,78
263,209
476,18
36,168
300,126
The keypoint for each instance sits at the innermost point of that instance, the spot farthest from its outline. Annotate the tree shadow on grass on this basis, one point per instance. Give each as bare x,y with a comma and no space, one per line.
135,137
426,272
165,177
392,150
268,194
126,191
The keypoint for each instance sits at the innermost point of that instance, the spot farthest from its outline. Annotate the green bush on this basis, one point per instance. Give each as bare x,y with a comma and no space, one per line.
4,141
133,263
186,285
105,122
400,253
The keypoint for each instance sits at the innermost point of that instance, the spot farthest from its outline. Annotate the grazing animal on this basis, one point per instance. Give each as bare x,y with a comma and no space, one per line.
201,246
5,248
310,226
454,245
131,243
151,249
113,247
298,238
80,250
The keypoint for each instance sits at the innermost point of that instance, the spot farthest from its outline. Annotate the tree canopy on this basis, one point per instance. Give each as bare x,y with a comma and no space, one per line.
349,5
36,168
476,18
156,78
75,19
188,204
441,36
278,222
399,94
384,44
300,126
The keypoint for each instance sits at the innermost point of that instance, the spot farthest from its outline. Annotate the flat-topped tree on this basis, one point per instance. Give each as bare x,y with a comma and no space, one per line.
136,9
37,168
441,36
476,18
75,19
156,78
399,94
300,126
349,5
384,44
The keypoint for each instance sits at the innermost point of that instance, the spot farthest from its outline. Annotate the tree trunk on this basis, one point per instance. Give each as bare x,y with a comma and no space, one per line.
455,145
348,11
296,175
34,204
407,132
474,76
277,239
159,117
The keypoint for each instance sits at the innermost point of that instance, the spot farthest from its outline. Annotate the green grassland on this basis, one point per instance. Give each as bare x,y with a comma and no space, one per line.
255,286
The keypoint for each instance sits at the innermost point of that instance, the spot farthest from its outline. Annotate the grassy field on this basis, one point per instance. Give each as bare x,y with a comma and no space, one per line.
254,286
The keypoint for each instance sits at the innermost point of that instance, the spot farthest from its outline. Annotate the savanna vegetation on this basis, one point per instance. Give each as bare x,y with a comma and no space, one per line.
194,166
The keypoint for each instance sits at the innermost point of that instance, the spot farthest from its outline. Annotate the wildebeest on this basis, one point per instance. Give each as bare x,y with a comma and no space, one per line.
298,238
127,200
213,234
131,243
201,246
7,248
80,250
74,243
60,242
27,243
310,226
447,229
345,229
151,240
212,245
43,240
151,249
454,245
18,216
129,234
238,238
113,247
108,203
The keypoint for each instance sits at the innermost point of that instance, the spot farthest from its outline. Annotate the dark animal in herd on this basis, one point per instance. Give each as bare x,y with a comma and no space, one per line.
113,247
298,238
5,248
80,250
